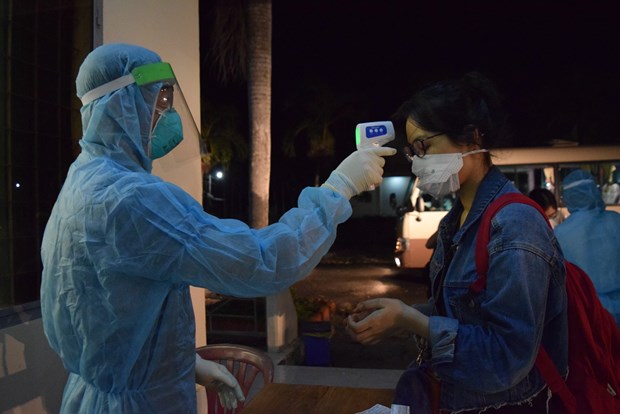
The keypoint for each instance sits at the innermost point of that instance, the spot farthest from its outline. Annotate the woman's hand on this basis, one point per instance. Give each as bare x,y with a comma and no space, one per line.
376,319
215,376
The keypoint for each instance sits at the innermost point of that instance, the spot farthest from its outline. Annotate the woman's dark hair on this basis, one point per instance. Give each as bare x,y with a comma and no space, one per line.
459,107
543,198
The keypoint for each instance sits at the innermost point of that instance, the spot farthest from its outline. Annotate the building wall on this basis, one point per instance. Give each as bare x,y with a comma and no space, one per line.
171,29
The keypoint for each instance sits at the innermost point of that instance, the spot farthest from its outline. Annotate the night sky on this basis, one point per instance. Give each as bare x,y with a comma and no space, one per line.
557,65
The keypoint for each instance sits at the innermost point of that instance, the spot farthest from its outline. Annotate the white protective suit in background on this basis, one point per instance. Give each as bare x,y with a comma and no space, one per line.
122,247
590,237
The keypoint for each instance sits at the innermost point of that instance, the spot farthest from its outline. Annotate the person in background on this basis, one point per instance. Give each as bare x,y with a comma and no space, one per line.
546,200
590,237
122,246
479,348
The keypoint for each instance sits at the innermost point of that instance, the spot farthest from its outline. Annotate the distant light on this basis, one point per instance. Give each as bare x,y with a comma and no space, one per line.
379,288
219,175
17,185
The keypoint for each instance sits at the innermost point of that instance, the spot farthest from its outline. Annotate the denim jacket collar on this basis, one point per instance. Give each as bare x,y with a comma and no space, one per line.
492,184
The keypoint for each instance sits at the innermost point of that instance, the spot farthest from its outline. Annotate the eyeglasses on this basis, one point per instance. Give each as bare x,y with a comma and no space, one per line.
418,148
164,102
164,98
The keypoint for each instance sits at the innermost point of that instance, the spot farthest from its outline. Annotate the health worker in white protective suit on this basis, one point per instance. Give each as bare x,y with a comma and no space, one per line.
590,237
122,246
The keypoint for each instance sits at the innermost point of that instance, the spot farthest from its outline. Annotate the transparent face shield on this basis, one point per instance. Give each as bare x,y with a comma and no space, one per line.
174,138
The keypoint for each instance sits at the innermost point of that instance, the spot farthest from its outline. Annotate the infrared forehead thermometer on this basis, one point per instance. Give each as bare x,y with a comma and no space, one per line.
373,134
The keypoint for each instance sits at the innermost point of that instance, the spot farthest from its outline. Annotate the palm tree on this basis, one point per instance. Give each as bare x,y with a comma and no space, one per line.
243,46
241,49
259,14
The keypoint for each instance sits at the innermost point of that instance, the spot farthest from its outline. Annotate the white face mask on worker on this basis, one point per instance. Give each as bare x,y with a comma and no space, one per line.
438,174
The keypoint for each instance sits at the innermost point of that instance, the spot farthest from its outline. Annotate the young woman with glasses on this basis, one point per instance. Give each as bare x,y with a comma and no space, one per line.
478,350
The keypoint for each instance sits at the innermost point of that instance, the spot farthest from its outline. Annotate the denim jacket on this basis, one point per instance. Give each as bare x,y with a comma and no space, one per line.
483,347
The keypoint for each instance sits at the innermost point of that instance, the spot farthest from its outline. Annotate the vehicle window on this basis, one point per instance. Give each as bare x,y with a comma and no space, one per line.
528,177
606,175
611,183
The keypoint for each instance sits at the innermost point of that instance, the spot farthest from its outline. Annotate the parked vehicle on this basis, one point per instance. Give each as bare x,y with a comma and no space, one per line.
528,168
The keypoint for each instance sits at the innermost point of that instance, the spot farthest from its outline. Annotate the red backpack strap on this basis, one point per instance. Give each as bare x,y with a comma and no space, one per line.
545,365
484,234
554,380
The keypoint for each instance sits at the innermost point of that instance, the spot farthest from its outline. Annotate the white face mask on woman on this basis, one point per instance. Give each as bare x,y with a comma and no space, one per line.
438,174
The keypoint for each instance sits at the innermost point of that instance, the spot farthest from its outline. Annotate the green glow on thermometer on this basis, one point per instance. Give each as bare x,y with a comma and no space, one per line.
357,137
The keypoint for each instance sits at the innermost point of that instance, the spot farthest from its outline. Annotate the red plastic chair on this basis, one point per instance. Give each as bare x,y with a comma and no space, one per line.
244,363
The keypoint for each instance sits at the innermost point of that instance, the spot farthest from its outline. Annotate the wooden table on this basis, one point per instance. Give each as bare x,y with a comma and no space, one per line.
308,399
